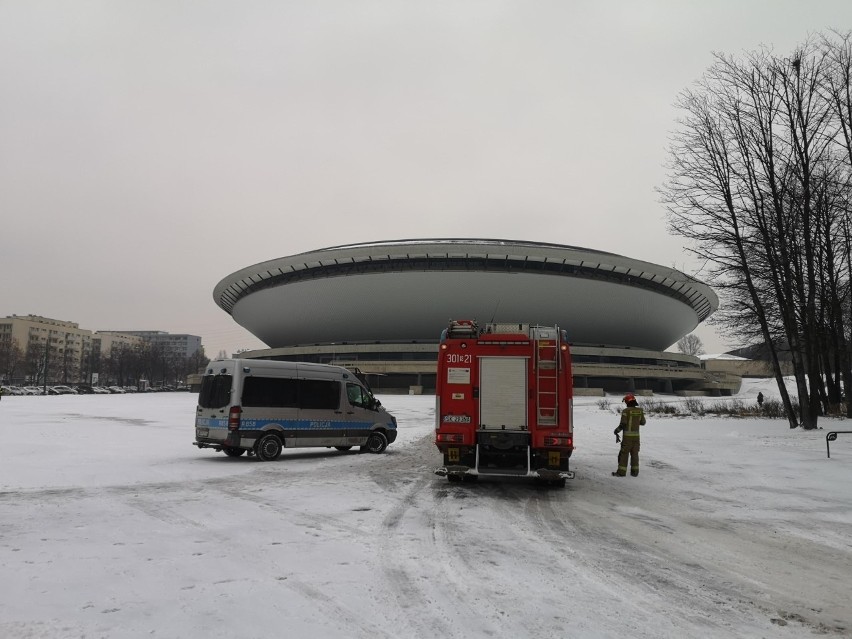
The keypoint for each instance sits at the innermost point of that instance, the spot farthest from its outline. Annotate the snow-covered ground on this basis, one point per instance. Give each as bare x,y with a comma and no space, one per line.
113,525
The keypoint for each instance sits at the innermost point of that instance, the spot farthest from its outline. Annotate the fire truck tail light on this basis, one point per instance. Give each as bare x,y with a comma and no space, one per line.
234,417
558,441
451,438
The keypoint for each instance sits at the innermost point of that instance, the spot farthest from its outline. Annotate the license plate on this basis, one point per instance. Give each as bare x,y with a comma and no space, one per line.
453,454
202,432
553,458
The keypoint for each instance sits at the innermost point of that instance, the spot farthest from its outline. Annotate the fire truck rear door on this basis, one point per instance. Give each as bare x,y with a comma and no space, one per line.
503,393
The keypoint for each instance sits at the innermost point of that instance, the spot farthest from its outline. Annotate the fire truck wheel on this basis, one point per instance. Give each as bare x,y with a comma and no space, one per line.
376,443
232,452
268,447
470,478
454,479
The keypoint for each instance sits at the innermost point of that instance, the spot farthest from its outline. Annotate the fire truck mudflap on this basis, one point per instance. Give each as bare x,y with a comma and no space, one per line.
504,402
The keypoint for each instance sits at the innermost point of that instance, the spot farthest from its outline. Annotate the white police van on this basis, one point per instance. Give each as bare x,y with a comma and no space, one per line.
262,406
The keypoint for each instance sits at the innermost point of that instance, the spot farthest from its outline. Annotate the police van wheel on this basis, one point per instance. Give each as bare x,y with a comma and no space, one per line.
376,443
232,452
268,448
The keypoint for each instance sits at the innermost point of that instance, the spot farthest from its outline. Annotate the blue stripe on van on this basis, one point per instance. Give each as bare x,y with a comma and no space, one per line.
209,422
288,424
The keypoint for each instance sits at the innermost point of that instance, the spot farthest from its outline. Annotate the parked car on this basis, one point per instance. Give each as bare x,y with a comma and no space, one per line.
34,390
116,390
61,390
99,390
85,389
14,390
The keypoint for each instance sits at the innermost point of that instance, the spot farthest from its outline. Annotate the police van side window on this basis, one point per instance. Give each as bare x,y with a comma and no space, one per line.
357,396
319,393
215,391
273,392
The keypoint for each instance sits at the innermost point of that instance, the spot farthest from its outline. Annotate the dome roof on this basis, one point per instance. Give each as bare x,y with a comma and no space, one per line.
407,290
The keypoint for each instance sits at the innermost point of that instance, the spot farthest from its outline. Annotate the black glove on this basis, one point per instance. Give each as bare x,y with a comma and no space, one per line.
617,438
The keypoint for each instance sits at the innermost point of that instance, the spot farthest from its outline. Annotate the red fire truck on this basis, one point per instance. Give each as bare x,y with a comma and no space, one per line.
504,402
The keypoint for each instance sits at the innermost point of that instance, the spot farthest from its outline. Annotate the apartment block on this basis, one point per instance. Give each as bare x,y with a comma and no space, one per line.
178,345
104,342
61,348
35,348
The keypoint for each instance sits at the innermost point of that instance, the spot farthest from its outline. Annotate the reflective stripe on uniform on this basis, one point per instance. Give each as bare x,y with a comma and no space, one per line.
634,418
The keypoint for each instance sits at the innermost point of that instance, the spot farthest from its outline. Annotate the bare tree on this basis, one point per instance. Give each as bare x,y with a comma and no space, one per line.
690,345
194,363
715,186
742,187
11,359
837,88
760,183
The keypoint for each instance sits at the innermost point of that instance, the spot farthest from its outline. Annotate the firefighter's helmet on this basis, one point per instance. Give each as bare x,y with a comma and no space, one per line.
629,398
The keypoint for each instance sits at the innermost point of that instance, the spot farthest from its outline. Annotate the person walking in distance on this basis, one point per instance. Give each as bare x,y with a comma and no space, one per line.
632,417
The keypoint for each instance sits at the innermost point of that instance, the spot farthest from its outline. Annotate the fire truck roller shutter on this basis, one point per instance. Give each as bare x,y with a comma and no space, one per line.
503,393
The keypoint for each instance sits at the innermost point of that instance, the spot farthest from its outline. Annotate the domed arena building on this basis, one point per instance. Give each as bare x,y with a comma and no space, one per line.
381,307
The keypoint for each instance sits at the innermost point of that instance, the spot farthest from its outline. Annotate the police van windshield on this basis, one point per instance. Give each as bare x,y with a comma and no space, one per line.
215,391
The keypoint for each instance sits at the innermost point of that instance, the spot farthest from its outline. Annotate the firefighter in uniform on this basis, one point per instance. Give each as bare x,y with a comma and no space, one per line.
632,418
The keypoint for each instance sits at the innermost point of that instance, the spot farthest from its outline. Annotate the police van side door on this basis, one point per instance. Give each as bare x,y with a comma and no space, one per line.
320,407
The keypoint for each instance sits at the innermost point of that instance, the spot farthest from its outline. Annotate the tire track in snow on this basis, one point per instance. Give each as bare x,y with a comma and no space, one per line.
420,555
351,622
584,565
296,516
403,548
641,557
607,562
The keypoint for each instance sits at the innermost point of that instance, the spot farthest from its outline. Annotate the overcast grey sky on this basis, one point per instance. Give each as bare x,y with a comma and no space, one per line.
150,148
